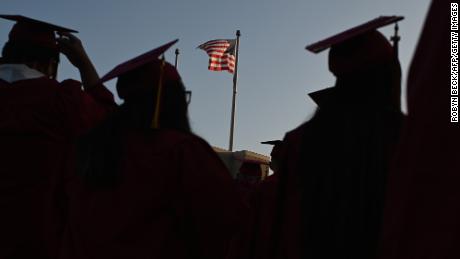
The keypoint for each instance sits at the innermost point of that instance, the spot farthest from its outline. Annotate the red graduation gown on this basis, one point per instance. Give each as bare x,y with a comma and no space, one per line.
275,219
175,199
265,210
287,235
422,216
264,213
38,120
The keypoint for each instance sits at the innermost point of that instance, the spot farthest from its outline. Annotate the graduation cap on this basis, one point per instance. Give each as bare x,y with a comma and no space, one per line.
137,62
29,30
353,32
322,96
277,147
147,65
272,142
358,47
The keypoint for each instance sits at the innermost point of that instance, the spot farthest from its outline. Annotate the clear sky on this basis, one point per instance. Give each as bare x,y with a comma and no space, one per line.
275,70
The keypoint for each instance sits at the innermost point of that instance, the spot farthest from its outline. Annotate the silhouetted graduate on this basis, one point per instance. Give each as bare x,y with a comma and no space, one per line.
39,121
275,154
248,180
338,172
265,205
423,209
147,186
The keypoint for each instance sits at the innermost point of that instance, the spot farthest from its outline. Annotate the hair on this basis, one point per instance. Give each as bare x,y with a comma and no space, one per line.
137,111
23,52
359,52
100,152
378,85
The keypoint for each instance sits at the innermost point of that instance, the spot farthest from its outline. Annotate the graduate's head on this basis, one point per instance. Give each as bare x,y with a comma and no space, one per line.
360,54
154,88
276,154
366,66
146,79
33,43
250,172
39,58
364,62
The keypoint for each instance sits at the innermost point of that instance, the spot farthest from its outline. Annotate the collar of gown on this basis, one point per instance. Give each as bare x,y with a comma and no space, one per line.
15,72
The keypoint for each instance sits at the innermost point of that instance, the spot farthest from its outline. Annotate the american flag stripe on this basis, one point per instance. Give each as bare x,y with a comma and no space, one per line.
217,53
221,50
214,42
222,62
229,65
216,47
221,56
221,68
224,47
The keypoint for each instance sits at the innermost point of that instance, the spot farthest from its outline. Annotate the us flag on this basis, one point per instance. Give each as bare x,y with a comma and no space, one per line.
221,54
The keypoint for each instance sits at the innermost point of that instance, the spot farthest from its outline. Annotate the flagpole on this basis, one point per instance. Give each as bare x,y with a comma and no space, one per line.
177,58
235,81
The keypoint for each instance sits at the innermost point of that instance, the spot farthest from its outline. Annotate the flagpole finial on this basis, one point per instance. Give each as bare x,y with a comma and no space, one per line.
177,52
238,33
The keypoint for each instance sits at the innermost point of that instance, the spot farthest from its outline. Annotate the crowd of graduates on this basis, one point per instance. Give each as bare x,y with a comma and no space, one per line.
82,177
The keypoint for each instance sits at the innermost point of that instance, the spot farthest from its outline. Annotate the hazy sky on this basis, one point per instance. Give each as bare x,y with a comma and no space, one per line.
275,70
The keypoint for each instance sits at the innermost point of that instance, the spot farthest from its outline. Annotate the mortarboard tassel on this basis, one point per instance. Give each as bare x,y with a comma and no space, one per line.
156,115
